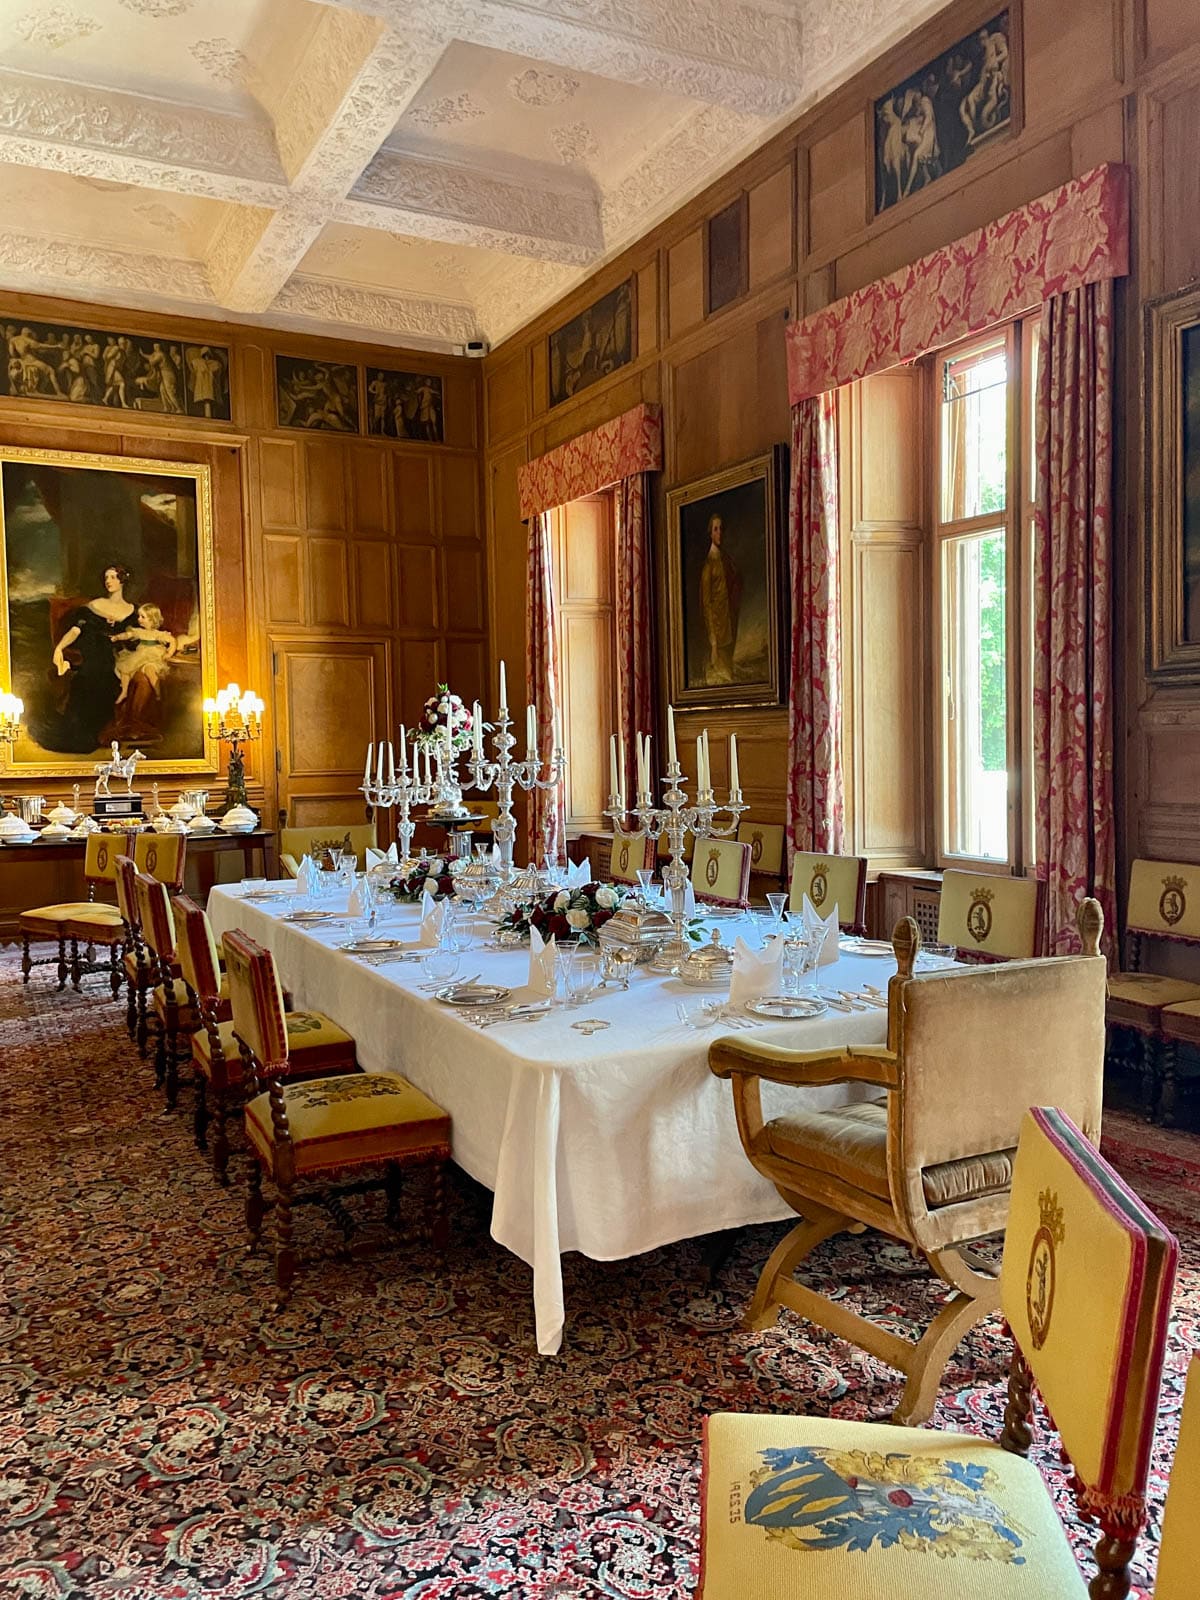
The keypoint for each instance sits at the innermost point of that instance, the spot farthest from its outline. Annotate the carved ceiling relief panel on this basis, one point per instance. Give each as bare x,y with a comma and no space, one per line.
395,119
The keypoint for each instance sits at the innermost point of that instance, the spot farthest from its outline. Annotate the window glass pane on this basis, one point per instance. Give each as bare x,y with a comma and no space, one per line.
974,434
975,704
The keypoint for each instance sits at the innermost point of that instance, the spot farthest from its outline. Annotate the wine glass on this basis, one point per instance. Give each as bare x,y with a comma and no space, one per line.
777,901
645,878
440,965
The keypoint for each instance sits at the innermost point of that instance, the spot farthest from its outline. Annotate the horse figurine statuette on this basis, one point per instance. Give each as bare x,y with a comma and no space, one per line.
119,767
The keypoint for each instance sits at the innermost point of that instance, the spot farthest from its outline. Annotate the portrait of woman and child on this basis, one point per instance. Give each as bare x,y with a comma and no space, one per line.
104,626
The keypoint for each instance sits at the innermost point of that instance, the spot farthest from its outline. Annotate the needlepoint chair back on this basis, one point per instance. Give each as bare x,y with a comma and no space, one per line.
766,846
161,856
988,916
721,872
256,1000
1164,900
155,917
1086,1288
630,851
199,961
830,881
100,856
1179,1552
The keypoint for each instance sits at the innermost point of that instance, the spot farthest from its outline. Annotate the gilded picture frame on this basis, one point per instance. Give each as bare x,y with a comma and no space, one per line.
1173,505
107,600
726,599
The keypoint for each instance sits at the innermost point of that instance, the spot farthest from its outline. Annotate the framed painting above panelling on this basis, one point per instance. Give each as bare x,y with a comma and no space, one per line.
594,344
1173,448
727,255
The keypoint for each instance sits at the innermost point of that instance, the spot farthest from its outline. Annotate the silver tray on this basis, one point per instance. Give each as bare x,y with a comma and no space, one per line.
473,994
785,1007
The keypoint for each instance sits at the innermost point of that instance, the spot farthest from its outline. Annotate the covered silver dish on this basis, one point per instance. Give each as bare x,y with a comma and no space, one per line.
637,928
710,966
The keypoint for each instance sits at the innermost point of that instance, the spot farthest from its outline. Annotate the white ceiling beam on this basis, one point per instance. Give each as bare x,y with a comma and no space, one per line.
124,138
429,197
723,52
356,78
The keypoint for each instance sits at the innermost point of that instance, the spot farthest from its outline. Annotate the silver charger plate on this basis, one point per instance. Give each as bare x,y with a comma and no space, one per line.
473,994
868,947
374,947
316,916
785,1007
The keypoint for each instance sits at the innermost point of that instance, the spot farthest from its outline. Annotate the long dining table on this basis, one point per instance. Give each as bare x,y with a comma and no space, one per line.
611,1142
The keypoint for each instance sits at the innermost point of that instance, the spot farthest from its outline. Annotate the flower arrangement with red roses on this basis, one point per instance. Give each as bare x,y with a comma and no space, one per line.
430,875
445,710
568,914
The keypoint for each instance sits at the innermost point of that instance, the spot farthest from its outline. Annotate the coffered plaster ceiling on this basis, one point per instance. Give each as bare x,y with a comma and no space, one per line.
420,172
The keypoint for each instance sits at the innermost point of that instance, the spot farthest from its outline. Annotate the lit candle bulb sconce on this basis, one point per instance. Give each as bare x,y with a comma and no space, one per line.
12,709
675,819
235,718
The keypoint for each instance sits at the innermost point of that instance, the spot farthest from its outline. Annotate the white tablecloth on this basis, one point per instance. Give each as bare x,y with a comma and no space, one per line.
610,1143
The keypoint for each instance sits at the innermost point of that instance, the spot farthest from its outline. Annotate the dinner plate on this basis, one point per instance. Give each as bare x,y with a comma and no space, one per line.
371,947
722,913
868,947
257,895
472,994
316,916
785,1007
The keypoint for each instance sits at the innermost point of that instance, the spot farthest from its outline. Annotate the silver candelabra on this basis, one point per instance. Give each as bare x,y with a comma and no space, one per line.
676,819
387,791
505,774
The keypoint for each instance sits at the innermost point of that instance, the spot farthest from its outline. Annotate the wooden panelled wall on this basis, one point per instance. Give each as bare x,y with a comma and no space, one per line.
350,572
1101,80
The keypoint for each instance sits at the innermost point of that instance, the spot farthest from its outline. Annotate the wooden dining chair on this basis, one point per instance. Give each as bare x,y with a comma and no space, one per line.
71,922
323,1128
829,881
317,1046
988,916
800,1506
766,841
630,853
968,1051
721,872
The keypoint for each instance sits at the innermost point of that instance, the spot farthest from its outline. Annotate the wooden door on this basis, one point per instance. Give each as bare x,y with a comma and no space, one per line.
331,699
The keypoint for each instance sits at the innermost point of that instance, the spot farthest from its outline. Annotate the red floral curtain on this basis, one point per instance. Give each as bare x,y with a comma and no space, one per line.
815,795
542,682
1072,701
635,618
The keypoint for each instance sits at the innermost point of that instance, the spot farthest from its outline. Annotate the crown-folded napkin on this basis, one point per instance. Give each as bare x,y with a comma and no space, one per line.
755,972
828,950
305,874
382,858
362,900
541,964
689,899
578,873
433,920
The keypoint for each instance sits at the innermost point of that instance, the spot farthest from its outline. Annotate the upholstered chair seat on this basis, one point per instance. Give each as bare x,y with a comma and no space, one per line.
1137,999
70,911
91,922
296,843
931,1162
315,1044
323,1126
800,1506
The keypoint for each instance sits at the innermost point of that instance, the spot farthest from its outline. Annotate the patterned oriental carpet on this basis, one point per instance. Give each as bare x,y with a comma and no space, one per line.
164,1434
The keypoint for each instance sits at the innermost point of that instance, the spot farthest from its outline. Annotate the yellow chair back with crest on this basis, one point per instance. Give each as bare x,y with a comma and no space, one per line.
161,856
989,916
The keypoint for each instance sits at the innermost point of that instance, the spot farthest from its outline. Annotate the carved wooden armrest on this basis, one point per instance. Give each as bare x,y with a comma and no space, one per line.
737,1058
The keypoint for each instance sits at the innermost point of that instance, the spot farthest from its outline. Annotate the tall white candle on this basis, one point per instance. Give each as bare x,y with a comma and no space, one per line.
477,730
621,776
391,765
449,745
707,763
612,764
735,777
530,732
367,768
672,754
649,768
700,761
503,688
403,748
379,764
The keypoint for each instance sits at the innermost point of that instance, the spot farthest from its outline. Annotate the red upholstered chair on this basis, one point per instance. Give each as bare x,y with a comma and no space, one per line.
801,1506
175,1018
325,1126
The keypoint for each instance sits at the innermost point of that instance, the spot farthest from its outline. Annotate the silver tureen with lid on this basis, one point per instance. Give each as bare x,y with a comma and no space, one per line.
710,966
636,928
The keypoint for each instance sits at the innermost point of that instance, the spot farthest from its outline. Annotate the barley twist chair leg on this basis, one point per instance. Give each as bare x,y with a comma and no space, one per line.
1168,1099
115,955
439,1222
1018,1413
64,966
1112,1581
220,1145
131,1016
26,959
285,1255
256,1207
76,964
143,1022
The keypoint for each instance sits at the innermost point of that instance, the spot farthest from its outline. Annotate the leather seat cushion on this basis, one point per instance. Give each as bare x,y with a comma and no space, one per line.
314,1041
849,1142
1138,997
355,1117
817,1506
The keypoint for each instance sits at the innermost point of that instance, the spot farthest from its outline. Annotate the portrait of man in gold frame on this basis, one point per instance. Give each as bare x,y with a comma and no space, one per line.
1173,510
106,593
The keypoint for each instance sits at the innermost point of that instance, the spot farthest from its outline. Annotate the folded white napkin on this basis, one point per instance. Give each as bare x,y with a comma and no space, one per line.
827,927
755,972
382,858
305,873
689,899
433,920
541,963
578,874
361,898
